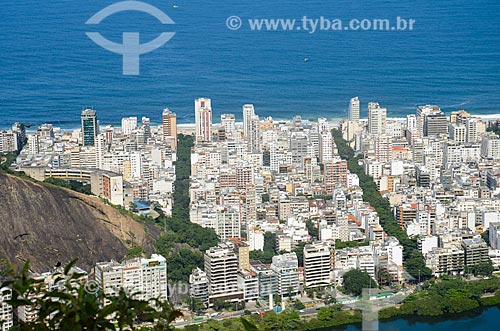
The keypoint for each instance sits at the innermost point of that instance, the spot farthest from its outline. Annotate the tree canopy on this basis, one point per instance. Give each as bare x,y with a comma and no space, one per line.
356,280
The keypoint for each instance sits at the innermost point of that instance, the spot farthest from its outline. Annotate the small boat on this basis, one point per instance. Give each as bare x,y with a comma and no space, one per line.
306,59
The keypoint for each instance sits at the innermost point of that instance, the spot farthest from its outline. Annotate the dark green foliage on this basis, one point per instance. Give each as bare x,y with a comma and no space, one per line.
73,185
181,264
312,229
481,269
416,267
486,236
330,317
348,244
449,296
6,160
178,228
286,321
135,251
298,305
356,280
262,256
270,242
299,250
495,129
384,277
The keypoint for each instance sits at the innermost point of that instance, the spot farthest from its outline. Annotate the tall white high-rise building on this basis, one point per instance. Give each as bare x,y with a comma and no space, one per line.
228,223
323,125
319,260
221,266
228,122
256,239
203,119
253,137
248,113
129,124
411,122
146,277
354,109
377,118
326,147
475,129
136,165
286,266
6,312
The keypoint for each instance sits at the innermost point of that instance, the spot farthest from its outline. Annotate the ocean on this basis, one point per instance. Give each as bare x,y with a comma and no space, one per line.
50,70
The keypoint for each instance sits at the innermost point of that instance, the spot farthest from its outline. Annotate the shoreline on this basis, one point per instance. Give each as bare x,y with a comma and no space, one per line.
189,126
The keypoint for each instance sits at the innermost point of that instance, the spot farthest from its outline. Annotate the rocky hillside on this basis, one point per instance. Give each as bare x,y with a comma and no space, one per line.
48,225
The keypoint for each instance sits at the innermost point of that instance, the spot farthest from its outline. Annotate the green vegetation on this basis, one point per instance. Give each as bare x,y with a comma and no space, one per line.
448,296
75,307
299,250
415,266
181,262
481,269
495,129
6,160
356,280
270,242
266,256
486,237
298,305
383,208
312,229
178,229
135,251
262,256
349,244
73,185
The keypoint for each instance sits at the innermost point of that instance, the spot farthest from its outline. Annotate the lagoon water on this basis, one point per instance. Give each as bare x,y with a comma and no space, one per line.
487,320
50,70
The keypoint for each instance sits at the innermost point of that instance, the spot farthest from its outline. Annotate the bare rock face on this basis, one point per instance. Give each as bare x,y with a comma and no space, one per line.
49,225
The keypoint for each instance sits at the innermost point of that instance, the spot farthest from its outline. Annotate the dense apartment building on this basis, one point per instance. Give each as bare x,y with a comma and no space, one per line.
335,175
475,251
319,260
286,266
446,261
6,311
198,286
108,185
146,278
169,127
221,266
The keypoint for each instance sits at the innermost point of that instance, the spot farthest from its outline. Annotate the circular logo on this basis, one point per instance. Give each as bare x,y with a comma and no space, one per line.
234,23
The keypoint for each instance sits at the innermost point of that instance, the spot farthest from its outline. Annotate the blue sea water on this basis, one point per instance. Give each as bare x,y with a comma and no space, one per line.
485,321
50,70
